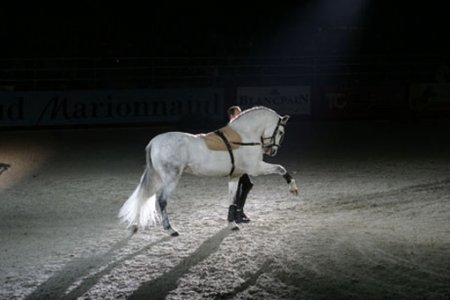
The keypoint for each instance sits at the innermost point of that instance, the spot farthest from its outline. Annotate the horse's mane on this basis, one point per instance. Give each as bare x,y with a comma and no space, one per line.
250,110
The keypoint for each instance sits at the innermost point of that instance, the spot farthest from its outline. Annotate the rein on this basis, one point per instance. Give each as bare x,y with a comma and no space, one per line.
246,144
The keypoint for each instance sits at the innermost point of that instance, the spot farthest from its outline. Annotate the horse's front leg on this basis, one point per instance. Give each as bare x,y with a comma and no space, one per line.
266,169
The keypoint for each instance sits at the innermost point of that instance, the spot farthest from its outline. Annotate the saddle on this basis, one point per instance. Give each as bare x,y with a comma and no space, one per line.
216,143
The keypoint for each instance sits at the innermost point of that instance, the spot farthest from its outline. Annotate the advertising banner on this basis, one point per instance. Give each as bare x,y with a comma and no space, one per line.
292,100
363,101
59,108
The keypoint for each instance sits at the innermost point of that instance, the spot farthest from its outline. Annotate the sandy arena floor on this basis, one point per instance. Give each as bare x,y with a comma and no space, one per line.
372,220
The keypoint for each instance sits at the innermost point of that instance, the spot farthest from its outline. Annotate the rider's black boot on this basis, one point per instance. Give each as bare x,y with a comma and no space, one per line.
241,217
244,187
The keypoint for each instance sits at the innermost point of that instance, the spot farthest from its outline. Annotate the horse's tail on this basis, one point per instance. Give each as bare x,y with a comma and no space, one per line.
140,208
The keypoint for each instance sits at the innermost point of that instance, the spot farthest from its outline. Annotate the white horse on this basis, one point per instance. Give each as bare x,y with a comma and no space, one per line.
168,155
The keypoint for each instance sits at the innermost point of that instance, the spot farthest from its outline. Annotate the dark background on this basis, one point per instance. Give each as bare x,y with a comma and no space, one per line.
103,29
371,51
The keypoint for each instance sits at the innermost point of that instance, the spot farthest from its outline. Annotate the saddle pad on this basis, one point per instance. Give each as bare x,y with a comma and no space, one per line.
215,143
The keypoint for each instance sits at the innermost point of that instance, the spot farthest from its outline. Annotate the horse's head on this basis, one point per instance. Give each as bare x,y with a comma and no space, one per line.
266,123
273,135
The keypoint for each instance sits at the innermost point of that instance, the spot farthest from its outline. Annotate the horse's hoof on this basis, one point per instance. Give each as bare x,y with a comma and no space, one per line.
293,187
233,226
172,232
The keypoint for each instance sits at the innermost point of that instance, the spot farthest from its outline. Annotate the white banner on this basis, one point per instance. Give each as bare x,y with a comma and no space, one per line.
292,100
50,108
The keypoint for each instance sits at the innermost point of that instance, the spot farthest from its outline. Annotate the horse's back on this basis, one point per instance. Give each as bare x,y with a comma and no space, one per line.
173,146
174,138
188,152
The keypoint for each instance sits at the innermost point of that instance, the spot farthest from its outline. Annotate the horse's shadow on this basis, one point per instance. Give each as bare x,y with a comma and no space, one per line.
56,286
160,287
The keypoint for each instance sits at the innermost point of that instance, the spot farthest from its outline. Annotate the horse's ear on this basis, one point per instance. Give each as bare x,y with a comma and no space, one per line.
284,119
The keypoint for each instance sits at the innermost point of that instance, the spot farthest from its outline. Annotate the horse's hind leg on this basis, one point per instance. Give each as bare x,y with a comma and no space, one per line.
162,198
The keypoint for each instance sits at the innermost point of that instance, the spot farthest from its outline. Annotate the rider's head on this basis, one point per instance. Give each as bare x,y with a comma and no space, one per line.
233,112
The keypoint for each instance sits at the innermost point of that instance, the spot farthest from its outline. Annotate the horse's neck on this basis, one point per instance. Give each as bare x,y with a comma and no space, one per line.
249,131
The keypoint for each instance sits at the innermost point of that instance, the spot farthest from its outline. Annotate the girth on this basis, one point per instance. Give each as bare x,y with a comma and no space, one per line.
230,150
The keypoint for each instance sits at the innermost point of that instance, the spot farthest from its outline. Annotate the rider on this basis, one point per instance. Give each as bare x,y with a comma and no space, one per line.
244,185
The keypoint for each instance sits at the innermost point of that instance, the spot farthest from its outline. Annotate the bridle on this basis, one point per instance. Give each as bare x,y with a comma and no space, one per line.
272,139
272,142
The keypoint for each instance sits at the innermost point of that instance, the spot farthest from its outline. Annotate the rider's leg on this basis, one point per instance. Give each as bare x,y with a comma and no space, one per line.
244,187
232,191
